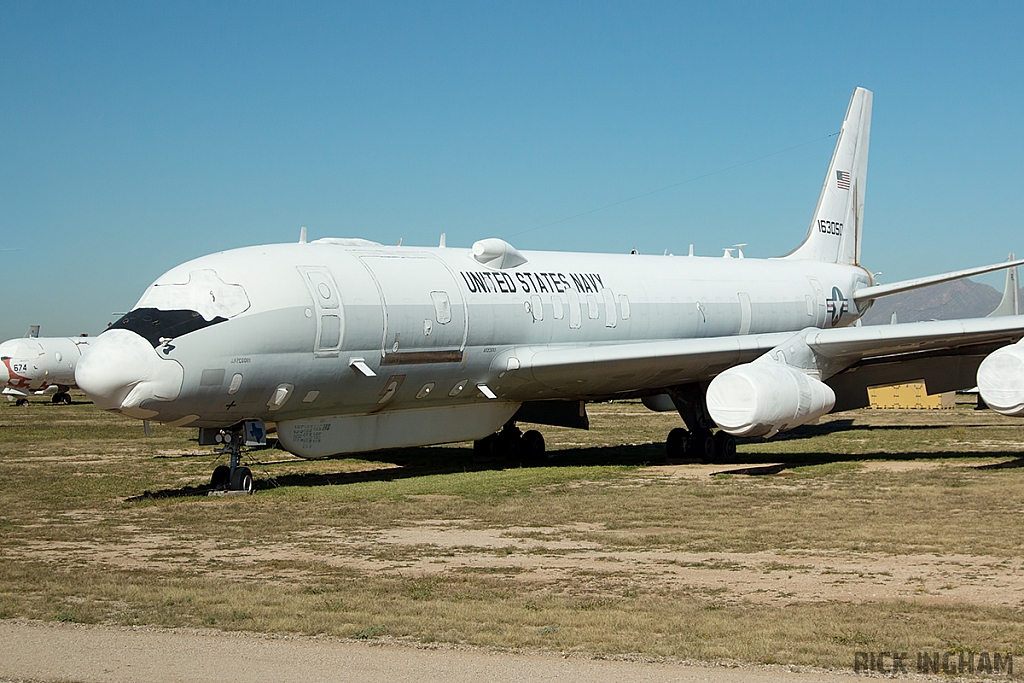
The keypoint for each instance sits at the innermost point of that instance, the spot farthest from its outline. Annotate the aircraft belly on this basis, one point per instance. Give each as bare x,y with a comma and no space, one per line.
326,436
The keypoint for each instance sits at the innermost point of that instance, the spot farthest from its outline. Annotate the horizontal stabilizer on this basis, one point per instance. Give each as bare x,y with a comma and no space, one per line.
877,291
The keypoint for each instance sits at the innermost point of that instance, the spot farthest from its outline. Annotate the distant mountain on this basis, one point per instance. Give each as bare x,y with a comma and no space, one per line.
948,301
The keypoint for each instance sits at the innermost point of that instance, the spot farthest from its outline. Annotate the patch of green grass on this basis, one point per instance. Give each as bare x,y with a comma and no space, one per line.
79,544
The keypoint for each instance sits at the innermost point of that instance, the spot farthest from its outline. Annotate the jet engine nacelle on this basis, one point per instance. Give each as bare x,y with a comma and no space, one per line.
765,397
1001,380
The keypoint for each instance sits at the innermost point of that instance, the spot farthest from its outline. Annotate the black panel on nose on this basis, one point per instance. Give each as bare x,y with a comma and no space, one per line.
153,324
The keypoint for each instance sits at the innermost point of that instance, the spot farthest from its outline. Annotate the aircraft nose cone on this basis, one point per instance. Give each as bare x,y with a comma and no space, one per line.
121,370
5,376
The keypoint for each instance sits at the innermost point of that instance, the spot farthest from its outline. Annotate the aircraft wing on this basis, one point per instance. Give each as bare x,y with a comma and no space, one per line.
944,353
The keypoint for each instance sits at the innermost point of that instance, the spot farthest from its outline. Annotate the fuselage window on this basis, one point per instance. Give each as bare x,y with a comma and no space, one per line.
330,331
442,307
575,313
537,308
624,306
556,307
609,307
592,311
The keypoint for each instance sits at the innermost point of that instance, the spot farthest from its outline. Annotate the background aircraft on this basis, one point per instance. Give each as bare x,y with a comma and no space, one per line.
35,364
348,345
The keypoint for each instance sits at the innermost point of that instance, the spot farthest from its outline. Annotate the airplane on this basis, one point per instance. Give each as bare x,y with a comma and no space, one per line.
348,346
34,364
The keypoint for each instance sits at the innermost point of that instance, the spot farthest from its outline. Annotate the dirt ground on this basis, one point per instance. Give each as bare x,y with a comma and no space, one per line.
549,555
427,565
95,654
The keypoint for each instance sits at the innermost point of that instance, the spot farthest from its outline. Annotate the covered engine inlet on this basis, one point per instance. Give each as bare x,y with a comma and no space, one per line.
766,397
1001,380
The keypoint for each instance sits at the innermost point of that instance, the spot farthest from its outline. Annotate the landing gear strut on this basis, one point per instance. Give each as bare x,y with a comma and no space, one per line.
511,442
699,441
232,477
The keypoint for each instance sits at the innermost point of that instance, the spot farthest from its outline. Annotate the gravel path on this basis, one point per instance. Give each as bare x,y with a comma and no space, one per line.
60,652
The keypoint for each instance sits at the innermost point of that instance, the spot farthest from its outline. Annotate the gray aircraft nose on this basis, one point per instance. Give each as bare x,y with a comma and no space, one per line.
121,370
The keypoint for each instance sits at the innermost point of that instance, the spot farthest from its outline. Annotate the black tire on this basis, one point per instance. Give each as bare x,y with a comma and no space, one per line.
221,477
21,402
676,444
508,445
67,398
702,445
242,480
57,398
484,448
725,447
532,445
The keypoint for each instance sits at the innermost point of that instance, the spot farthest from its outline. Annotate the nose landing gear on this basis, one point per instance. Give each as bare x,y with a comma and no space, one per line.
233,477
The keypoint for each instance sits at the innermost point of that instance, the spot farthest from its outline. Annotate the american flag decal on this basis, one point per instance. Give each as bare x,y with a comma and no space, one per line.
843,180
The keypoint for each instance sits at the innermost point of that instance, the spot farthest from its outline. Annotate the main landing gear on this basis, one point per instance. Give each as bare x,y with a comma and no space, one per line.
701,444
698,441
62,396
511,442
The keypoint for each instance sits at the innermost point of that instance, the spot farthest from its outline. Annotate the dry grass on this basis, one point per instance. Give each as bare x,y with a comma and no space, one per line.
872,531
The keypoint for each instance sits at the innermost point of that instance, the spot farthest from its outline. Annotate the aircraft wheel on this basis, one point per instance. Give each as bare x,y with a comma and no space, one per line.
221,477
532,445
242,480
676,444
509,445
725,447
67,398
702,444
57,398
21,402
488,447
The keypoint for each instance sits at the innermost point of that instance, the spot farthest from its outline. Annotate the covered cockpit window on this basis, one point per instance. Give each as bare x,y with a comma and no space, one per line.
204,293
158,326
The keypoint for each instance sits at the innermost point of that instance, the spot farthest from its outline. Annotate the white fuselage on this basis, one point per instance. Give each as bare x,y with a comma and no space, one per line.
387,345
37,363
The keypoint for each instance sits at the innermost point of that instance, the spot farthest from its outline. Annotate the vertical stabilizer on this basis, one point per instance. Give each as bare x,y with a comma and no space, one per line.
835,232
1009,304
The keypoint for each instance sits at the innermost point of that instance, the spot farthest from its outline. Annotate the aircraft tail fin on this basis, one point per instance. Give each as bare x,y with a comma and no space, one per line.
835,231
1009,305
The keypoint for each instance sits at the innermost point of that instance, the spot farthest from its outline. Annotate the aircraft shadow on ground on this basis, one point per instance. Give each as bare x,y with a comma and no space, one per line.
420,462
836,426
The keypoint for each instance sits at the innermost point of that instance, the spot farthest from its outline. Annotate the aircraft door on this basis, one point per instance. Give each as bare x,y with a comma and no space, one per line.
821,304
424,313
327,309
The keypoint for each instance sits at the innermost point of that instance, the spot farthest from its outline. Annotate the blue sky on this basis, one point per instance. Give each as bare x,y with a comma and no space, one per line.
135,136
